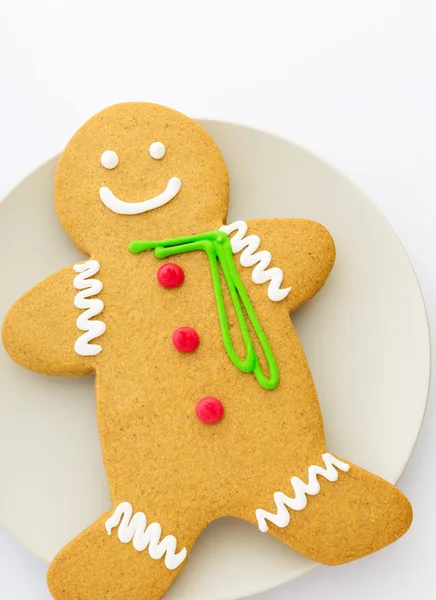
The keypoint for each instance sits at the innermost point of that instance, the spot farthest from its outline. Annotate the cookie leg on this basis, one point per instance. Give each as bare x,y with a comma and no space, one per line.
336,512
96,565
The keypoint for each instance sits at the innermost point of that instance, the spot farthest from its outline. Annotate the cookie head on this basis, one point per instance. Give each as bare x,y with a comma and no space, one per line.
139,170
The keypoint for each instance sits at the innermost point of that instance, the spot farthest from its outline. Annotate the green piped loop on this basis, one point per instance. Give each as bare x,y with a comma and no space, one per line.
217,246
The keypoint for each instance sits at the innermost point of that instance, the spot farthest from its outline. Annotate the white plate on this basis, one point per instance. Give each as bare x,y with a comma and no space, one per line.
366,337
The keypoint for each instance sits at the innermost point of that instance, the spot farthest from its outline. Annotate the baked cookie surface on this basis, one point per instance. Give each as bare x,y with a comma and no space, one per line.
206,405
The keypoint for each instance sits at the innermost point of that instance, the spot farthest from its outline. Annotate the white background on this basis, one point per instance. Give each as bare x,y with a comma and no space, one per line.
352,80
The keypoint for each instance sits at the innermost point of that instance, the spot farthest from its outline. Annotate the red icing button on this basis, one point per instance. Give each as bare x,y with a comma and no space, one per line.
209,410
186,339
170,275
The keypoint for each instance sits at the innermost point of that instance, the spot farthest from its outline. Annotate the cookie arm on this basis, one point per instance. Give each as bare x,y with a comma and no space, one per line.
40,330
303,251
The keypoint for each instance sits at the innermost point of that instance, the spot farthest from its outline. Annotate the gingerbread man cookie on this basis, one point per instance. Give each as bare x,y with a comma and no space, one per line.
206,405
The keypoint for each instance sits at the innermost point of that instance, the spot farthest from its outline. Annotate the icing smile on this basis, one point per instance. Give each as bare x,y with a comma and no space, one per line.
135,208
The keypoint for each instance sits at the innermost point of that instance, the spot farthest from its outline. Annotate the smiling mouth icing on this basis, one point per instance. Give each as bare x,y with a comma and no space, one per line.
135,208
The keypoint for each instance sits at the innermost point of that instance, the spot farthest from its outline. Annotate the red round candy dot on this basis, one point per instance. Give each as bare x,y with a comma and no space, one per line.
186,339
209,410
170,275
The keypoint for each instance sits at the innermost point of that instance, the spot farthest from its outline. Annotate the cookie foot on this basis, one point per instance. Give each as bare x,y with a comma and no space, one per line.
98,566
336,513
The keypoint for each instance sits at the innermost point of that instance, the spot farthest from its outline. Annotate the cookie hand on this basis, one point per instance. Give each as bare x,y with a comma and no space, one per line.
289,253
40,330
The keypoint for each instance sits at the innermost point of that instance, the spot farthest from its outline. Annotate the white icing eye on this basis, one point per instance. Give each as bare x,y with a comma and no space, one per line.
109,159
157,150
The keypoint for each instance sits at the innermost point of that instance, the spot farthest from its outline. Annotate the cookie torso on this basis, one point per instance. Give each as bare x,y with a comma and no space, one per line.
147,391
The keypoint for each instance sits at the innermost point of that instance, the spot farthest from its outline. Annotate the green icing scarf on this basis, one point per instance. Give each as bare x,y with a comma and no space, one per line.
217,246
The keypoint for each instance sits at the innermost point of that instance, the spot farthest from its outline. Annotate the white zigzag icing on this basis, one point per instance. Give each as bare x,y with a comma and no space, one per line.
301,489
135,528
92,307
250,257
